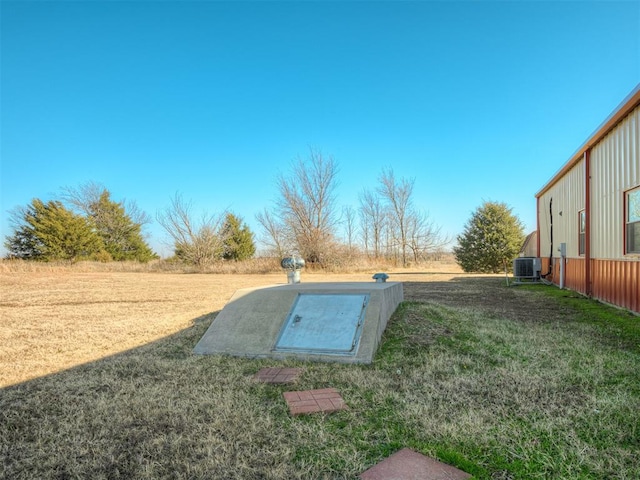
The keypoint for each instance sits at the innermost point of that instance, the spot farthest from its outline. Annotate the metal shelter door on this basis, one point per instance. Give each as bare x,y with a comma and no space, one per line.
324,323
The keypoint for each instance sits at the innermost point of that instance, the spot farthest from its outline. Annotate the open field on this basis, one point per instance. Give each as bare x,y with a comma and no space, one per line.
98,381
56,318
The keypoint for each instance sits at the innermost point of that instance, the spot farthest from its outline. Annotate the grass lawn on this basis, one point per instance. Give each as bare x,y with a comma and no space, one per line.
504,383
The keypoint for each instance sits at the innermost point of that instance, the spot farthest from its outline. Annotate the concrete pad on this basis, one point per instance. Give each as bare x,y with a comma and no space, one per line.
252,321
406,464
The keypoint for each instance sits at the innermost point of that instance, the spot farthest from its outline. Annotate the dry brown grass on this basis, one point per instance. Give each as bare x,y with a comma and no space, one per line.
252,266
503,383
57,316
260,265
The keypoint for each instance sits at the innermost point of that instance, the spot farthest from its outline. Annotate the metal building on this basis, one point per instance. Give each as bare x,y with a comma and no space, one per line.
589,213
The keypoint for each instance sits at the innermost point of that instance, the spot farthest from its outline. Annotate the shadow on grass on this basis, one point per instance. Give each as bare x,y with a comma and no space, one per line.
177,345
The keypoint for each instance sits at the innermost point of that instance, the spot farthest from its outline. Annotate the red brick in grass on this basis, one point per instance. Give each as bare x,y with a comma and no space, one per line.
407,464
325,400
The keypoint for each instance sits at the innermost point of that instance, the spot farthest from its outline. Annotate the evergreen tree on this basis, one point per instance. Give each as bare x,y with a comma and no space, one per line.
491,239
238,240
119,226
121,236
48,231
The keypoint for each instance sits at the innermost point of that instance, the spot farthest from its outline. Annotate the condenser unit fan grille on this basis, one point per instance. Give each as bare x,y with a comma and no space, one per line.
526,267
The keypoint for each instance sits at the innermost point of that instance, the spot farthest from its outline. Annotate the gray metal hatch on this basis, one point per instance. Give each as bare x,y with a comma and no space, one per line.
324,323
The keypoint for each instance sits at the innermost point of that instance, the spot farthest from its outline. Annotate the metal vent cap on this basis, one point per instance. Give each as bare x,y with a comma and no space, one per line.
292,263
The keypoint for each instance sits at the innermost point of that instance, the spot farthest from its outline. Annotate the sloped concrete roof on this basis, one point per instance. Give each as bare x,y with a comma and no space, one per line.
251,322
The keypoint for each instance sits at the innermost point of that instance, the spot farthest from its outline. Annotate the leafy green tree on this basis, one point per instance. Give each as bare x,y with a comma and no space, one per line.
48,231
121,231
491,239
238,239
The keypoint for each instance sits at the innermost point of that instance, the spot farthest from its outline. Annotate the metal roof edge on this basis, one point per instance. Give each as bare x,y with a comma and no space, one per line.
630,102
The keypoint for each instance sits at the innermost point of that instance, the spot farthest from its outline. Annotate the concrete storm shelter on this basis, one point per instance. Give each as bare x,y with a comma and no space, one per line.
331,322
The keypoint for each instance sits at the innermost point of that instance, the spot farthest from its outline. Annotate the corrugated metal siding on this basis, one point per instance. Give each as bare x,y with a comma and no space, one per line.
615,168
613,281
617,282
545,266
568,198
573,275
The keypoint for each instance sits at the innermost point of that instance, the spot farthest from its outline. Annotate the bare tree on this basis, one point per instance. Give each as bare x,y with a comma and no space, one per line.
274,234
372,222
397,195
306,206
198,242
349,222
424,236
85,197
407,231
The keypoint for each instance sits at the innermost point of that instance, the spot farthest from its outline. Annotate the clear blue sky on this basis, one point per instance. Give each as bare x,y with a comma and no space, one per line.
475,100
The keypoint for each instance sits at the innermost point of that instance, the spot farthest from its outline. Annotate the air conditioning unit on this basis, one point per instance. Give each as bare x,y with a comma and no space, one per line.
527,268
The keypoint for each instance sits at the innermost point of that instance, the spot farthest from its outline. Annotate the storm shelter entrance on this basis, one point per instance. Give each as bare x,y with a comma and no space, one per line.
329,324
324,321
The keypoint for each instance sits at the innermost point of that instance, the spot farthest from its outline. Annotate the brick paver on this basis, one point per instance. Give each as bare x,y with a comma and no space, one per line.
278,375
406,464
325,400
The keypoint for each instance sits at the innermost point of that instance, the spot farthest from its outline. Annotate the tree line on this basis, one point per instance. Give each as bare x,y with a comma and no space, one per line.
386,224
86,223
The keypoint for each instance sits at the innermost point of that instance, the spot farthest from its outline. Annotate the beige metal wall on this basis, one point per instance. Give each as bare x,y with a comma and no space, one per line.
568,198
615,168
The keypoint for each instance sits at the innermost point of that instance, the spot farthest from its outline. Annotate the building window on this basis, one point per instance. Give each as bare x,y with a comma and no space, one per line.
632,226
582,231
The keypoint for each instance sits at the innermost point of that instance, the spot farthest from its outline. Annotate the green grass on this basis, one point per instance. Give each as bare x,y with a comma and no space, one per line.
500,398
618,326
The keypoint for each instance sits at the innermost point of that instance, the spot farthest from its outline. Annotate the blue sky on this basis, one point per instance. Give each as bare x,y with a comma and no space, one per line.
474,100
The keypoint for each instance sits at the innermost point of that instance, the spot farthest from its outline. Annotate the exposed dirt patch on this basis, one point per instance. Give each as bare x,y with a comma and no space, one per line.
488,294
